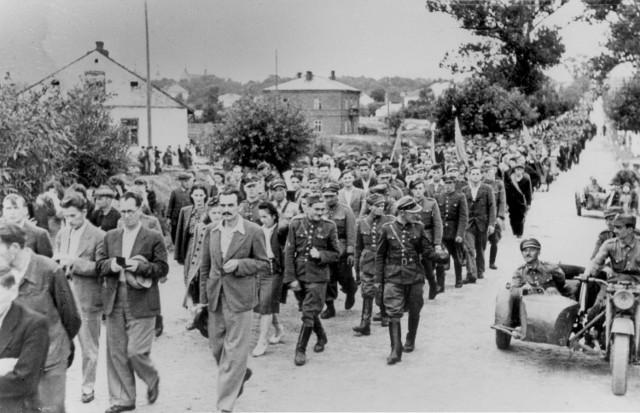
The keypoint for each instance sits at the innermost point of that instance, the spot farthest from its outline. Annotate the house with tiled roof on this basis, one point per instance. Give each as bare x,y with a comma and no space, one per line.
127,98
331,107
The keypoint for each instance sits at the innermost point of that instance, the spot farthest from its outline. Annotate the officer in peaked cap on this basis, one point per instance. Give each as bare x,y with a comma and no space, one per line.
609,215
341,273
367,233
398,263
383,173
312,245
249,207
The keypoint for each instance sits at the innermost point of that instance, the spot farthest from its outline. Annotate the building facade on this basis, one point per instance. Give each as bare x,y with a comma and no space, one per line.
127,98
331,107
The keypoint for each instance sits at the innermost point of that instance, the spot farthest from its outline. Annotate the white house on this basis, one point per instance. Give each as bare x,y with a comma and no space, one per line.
365,99
175,90
128,98
393,109
228,99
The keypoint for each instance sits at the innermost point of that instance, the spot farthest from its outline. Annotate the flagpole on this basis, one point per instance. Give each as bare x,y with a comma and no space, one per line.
146,26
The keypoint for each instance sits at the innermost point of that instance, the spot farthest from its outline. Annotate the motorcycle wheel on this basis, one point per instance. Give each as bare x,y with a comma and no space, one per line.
619,361
503,340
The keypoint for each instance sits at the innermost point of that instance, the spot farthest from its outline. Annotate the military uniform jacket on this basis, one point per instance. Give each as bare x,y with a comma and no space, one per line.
622,256
399,253
482,210
345,221
602,237
367,236
454,213
249,211
303,235
542,274
431,219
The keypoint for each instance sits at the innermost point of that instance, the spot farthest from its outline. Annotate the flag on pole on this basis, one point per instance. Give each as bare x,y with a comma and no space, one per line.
460,149
433,142
397,147
526,136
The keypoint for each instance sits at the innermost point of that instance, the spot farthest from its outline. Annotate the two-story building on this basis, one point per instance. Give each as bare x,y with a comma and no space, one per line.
331,107
127,98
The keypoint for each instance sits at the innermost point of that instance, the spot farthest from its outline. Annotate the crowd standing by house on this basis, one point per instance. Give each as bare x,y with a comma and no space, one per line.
246,239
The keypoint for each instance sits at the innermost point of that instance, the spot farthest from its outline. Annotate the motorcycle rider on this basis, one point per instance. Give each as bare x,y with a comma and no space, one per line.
609,215
625,175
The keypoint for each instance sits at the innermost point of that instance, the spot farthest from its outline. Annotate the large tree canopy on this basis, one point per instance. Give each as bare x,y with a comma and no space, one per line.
515,47
256,130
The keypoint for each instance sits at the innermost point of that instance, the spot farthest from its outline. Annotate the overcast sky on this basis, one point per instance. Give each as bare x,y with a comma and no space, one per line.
238,38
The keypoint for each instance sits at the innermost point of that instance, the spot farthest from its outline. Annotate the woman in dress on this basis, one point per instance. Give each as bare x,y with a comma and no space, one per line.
190,217
270,285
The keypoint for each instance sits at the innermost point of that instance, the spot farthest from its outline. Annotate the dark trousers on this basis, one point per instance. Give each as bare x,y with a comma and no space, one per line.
174,228
516,219
340,274
312,296
494,239
454,251
399,298
477,244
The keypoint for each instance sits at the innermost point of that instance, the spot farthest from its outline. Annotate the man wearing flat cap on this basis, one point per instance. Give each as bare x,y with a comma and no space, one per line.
179,198
341,273
609,216
104,216
249,207
367,234
312,245
402,245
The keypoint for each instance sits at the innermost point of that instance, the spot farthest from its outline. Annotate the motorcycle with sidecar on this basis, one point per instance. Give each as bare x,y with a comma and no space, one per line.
607,325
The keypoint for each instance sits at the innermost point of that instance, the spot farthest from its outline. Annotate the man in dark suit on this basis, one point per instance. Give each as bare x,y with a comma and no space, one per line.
43,288
131,259
489,178
179,198
236,253
482,220
104,216
14,210
24,341
76,246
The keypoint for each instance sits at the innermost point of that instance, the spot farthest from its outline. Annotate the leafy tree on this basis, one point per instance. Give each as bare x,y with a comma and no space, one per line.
211,106
378,95
515,47
624,23
623,105
481,108
423,107
263,130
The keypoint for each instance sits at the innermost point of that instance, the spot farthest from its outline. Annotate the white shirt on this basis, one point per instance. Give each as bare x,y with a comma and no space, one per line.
128,239
474,191
226,234
348,192
268,232
74,239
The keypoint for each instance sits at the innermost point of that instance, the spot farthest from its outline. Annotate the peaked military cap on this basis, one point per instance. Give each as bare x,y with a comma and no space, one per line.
530,243
408,204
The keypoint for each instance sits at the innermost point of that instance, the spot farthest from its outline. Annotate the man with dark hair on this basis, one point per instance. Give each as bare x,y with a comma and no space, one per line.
25,340
131,259
234,253
43,288
76,247
179,198
366,180
14,210
312,244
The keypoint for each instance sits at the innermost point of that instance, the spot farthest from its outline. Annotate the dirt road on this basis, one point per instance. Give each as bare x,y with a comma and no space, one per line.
455,367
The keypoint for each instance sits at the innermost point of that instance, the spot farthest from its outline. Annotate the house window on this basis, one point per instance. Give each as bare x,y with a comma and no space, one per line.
317,126
55,82
131,126
94,78
317,103
134,84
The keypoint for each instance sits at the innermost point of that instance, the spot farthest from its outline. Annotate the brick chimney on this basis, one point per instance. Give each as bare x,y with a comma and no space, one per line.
333,75
309,76
299,75
101,49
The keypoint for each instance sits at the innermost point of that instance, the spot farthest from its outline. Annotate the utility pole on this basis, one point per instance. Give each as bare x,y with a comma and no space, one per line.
149,86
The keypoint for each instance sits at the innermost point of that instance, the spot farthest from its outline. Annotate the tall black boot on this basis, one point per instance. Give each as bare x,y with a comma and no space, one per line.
365,322
301,347
440,279
385,317
329,312
412,327
322,336
395,335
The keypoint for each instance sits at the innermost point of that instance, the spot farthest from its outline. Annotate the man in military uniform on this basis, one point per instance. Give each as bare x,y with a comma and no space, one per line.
383,172
341,273
286,209
367,234
626,175
312,244
403,243
179,198
489,178
623,251
436,184
609,216
534,273
453,209
432,221
249,207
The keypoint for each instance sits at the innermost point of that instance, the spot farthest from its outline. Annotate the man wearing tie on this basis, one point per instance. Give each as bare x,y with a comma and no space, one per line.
75,249
235,252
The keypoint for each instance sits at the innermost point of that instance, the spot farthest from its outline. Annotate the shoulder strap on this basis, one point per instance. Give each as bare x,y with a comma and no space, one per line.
397,237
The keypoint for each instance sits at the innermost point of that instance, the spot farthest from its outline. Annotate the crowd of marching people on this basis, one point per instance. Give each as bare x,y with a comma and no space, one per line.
248,241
